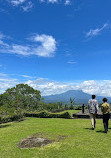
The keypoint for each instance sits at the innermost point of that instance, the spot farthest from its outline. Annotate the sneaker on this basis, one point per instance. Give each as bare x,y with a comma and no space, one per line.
92,128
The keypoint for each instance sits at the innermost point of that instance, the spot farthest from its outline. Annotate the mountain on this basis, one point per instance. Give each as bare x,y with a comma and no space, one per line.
79,95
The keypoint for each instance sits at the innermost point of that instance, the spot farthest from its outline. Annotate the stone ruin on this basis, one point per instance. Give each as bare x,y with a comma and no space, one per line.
86,114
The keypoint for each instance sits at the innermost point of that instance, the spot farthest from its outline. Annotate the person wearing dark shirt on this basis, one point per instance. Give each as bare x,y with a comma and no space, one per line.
105,108
83,108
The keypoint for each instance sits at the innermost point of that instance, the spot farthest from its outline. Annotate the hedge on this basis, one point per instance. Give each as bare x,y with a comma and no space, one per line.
45,114
10,118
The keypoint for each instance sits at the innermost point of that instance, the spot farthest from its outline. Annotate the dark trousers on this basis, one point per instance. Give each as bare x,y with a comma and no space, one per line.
83,110
105,121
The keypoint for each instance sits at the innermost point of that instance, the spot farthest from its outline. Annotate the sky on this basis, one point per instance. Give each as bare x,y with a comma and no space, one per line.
56,45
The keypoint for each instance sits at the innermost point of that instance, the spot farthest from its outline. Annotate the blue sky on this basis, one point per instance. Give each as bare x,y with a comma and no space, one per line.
56,45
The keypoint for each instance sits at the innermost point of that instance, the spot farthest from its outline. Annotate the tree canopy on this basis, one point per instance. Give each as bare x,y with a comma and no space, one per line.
22,95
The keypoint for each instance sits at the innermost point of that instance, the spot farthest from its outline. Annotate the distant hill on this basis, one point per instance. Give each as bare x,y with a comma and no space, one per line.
79,95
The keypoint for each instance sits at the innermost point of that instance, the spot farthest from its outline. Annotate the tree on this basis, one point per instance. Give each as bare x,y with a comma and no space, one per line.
72,103
21,95
66,106
59,105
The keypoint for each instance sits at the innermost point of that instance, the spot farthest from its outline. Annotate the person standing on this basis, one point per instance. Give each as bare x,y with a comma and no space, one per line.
83,106
105,108
93,109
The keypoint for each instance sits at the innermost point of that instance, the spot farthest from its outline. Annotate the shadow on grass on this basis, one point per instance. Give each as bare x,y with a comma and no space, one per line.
100,131
88,128
3,126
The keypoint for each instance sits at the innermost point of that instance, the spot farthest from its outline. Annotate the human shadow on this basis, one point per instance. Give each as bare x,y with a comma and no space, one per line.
100,131
88,128
3,126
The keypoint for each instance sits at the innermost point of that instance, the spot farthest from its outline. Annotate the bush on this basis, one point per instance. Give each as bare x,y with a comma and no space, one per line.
78,107
10,118
45,114
57,110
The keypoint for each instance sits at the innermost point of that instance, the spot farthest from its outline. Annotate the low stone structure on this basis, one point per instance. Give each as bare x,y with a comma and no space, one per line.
86,114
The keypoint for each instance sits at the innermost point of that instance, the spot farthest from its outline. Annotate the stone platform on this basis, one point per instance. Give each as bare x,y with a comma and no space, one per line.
86,114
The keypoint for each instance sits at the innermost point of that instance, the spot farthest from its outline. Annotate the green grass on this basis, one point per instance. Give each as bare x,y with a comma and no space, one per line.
70,111
73,111
80,141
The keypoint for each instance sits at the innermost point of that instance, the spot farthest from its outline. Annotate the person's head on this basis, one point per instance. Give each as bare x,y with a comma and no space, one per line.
93,96
105,99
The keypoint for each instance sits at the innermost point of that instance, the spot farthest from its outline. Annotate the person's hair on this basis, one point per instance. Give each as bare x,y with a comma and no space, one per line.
93,96
105,99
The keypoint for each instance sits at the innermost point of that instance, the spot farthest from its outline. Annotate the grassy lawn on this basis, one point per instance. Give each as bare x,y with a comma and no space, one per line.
73,111
79,142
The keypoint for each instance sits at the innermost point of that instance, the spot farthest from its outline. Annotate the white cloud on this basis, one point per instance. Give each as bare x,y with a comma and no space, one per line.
6,82
2,75
49,1
67,2
19,49
52,1
43,45
26,76
17,2
95,32
28,6
21,2
47,47
49,87
3,43
102,88
2,38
